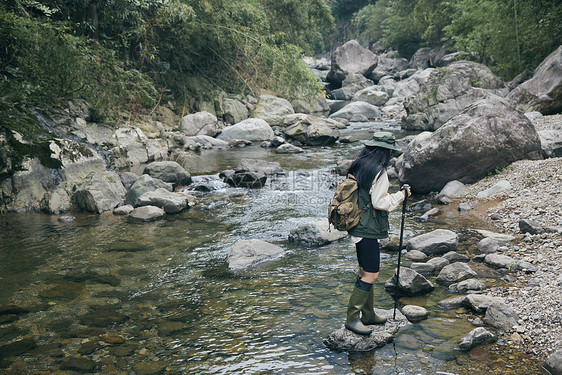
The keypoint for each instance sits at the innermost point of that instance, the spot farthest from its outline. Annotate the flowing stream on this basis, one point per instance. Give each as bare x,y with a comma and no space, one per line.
102,294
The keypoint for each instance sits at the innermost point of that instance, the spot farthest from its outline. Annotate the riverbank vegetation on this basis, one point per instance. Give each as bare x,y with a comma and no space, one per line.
510,36
126,56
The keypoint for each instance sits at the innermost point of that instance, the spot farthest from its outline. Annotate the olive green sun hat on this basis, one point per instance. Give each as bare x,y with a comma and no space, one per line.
383,139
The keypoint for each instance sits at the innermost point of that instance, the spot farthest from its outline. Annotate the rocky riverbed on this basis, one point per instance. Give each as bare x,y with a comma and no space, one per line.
533,198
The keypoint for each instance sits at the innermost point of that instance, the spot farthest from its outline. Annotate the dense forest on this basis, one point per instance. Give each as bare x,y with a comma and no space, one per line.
126,56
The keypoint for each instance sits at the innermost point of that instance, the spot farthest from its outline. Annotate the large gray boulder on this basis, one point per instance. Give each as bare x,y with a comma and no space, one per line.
489,131
351,58
367,110
501,316
311,130
543,92
315,233
439,241
447,92
46,175
405,88
252,129
420,59
168,171
375,95
200,123
234,111
476,337
134,147
388,66
317,106
100,192
411,283
171,202
272,109
247,253
142,185
350,85
455,272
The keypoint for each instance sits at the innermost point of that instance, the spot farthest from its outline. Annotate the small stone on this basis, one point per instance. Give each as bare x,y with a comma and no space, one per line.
112,339
147,213
488,246
465,206
17,347
454,273
476,337
123,210
149,368
288,148
415,313
415,255
79,364
452,303
453,257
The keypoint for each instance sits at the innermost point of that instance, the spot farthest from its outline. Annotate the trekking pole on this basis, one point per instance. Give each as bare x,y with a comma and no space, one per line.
405,188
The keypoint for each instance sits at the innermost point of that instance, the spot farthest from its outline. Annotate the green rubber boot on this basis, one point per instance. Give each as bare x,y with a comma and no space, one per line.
357,301
368,315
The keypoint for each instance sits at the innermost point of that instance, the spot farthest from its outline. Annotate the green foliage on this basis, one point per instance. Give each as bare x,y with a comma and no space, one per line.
23,138
247,46
498,170
127,54
530,179
307,27
44,65
510,36
344,9
393,22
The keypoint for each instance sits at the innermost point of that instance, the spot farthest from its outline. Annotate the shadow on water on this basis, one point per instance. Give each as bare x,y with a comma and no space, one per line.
112,295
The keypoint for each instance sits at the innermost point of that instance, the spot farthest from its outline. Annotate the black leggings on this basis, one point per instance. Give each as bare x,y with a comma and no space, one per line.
368,254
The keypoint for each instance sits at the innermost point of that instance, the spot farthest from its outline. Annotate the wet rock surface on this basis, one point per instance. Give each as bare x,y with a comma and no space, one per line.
476,337
438,241
343,340
315,233
246,253
431,159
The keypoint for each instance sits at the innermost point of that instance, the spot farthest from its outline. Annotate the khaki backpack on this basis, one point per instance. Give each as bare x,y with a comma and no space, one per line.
344,212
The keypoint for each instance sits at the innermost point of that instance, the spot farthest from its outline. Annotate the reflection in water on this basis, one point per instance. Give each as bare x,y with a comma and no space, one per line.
127,296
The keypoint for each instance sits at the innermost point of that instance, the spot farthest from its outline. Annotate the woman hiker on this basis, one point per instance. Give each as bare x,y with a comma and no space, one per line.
369,170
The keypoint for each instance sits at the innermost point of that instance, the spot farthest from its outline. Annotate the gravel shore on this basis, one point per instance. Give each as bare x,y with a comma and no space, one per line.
534,196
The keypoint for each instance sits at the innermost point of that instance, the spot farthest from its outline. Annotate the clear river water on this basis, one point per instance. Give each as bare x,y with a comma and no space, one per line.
101,294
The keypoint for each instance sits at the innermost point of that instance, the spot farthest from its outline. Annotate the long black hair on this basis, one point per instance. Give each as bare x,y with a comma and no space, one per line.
370,162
